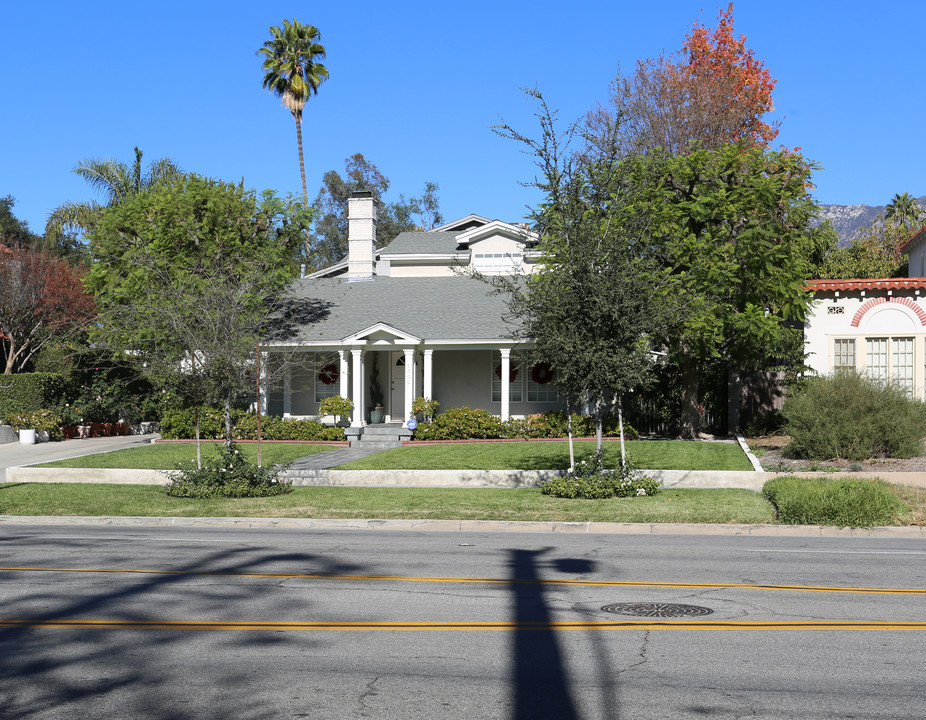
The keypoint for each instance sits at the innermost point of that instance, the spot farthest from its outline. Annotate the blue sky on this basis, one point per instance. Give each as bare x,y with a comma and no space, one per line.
415,87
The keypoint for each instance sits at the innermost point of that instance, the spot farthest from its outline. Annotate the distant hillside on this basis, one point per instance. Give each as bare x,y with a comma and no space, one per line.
850,220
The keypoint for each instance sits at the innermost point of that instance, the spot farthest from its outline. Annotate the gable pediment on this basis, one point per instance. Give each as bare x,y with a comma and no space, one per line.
382,334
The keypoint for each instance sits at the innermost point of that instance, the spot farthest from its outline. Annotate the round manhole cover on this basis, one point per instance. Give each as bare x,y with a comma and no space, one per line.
657,609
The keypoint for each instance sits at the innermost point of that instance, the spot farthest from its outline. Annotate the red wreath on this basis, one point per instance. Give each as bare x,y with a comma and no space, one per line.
329,374
512,372
542,373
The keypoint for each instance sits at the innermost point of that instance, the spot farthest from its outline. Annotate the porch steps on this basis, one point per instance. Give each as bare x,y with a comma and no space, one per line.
378,437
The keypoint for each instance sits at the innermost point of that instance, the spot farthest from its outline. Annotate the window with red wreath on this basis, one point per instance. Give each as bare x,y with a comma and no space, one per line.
540,385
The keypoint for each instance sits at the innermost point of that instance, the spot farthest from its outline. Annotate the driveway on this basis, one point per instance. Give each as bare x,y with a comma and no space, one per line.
14,454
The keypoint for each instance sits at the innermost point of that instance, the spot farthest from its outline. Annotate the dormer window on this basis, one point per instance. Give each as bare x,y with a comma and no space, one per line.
497,262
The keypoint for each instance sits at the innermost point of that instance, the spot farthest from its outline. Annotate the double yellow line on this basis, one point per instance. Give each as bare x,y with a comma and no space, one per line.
497,581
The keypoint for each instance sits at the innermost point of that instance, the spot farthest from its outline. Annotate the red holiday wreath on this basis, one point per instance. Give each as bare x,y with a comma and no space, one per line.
542,373
329,374
512,373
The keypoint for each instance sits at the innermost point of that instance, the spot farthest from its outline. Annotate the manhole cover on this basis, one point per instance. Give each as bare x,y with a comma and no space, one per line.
657,609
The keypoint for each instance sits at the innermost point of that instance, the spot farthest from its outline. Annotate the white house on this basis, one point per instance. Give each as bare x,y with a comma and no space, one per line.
405,314
876,326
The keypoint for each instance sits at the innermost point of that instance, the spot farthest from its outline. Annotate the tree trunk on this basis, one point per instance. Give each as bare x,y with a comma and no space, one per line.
599,421
690,420
199,451
305,189
620,427
572,452
228,424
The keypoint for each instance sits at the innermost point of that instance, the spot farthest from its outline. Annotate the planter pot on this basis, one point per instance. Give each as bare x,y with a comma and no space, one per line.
83,431
376,415
69,431
27,437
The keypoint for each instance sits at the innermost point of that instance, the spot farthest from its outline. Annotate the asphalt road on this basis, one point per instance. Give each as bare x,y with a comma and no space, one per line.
122,622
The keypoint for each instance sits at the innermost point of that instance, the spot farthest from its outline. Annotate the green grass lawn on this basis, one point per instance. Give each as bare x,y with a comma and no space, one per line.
648,454
669,506
165,456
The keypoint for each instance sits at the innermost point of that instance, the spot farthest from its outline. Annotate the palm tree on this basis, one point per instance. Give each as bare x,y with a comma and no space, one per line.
904,208
291,71
115,181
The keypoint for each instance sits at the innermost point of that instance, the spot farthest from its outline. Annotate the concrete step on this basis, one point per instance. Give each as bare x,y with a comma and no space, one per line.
378,444
393,430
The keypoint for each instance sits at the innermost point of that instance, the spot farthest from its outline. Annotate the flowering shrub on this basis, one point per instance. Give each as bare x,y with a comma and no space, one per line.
41,420
228,475
589,480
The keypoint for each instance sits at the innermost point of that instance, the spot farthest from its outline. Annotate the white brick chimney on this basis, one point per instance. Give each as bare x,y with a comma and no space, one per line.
361,234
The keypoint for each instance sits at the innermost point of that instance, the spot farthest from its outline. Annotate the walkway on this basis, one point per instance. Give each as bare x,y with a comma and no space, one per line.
330,459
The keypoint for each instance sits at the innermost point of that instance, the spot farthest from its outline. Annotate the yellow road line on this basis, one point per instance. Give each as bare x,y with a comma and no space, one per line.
419,626
504,581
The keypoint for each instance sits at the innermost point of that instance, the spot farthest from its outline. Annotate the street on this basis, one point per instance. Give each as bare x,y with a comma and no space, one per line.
128,622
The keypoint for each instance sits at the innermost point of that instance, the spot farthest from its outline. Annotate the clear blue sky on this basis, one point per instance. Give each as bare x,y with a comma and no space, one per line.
415,86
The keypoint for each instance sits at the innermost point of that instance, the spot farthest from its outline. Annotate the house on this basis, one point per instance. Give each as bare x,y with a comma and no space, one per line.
876,326
403,321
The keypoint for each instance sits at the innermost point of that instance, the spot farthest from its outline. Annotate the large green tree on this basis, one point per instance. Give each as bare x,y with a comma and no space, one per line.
599,295
114,181
292,71
186,275
13,231
735,223
329,240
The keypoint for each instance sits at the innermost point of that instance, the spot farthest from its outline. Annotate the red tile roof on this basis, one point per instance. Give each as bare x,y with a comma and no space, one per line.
913,239
868,284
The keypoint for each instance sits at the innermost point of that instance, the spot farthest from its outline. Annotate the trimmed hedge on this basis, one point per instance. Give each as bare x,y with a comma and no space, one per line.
831,501
180,425
465,423
26,393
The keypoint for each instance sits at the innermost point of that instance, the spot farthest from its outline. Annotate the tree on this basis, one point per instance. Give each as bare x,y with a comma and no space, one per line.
41,300
14,233
735,223
114,181
904,210
329,242
293,73
185,277
713,92
598,296
875,254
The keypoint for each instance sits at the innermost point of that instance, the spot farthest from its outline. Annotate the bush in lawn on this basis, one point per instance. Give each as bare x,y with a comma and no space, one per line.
851,416
830,501
590,481
227,475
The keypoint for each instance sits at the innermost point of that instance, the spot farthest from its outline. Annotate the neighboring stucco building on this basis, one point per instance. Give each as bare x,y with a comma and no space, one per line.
407,314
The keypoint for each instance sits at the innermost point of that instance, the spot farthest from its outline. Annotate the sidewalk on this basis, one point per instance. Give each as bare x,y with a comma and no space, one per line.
14,454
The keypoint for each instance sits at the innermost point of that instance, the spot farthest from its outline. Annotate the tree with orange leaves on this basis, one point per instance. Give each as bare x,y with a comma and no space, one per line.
713,92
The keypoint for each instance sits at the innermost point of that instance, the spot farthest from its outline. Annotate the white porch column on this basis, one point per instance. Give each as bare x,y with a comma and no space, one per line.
428,389
506,383
345,374
287,390
357,381
409,381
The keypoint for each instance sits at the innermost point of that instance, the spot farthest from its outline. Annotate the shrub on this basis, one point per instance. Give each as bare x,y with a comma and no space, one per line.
29,392
336,405
228,475
179,425
831,501
41,420
589,480
851,416
425,407
465,423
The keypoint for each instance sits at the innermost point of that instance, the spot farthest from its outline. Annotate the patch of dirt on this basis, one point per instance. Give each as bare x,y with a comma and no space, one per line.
767,448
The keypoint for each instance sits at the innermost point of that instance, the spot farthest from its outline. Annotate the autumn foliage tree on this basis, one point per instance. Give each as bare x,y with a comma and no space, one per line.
714,91
41,299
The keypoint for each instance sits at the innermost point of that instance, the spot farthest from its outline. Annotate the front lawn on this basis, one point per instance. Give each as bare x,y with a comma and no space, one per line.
669,506
165,456
554,455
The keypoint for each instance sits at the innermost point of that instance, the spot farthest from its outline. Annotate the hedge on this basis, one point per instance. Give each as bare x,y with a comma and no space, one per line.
179,425
26,393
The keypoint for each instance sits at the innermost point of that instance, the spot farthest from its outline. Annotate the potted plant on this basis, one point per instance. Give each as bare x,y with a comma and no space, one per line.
376,393
338,406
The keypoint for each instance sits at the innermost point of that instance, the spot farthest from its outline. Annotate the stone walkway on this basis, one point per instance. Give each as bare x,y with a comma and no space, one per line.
330,459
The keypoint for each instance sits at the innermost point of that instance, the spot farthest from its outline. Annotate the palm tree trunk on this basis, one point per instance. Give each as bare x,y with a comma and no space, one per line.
305,189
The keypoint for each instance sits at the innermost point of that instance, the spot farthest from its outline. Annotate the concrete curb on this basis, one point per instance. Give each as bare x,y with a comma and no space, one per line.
396,478
472,526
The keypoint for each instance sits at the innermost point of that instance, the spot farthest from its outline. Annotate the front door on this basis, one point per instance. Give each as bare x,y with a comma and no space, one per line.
397,393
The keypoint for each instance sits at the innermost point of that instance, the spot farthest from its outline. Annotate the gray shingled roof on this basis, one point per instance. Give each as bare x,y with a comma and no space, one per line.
430,308
428,243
